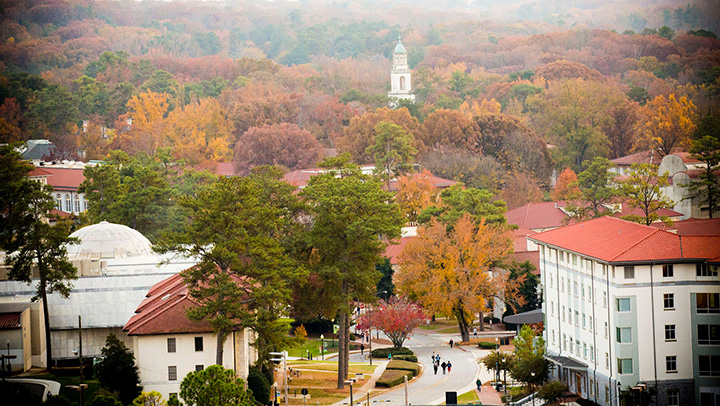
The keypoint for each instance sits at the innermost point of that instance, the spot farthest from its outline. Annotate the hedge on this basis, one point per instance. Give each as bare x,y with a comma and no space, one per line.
404,366
383,352
392,377
403,357
487,346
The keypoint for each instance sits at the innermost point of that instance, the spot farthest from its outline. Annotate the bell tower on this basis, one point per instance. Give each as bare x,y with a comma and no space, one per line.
400,83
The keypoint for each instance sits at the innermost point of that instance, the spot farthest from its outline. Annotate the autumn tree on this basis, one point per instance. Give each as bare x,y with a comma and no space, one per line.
146,133
707,187
449,272
351,218
392,150
620,127
415,193
520,189
642,189
474,170
666,123
278,144
236,227
447,127
201,131
597,190
258,104
360,133
566,186
396,317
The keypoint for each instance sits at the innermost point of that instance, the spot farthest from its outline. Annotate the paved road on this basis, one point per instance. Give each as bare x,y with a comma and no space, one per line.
429,389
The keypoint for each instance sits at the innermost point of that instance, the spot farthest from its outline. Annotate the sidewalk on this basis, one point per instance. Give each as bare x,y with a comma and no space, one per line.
489,396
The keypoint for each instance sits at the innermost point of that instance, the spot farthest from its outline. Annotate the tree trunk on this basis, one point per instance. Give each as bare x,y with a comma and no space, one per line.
462,323
219,350
342,354
48,343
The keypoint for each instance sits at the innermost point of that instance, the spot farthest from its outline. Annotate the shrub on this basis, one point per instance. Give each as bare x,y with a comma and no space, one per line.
487,346
300,332
405,357
105,401
392,377
552,391
383,352
404,366
257,382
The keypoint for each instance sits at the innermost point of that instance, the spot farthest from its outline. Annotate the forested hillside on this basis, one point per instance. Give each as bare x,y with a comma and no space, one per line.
257,82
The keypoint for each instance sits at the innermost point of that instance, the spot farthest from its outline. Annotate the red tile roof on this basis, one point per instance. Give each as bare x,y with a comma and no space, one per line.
642,157
393,250
692,227
537,215
164,311
66,179
686,158
39,172
613,240
10,321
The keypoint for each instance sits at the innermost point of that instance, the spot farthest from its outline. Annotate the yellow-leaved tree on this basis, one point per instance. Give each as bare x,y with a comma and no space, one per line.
453,272
416,192
666,123
201,131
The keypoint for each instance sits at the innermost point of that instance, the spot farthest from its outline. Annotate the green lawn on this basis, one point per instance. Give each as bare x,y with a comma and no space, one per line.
313,346
468,397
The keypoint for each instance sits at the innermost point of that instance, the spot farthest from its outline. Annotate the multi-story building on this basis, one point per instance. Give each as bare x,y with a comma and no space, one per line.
632,308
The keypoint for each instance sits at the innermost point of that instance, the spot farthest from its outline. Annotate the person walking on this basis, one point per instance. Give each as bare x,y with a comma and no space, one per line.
478,382
449,365
475,332
451,343
444,367
435,365
362,349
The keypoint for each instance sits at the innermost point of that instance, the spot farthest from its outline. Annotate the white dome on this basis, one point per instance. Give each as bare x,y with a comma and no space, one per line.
107,240
399,48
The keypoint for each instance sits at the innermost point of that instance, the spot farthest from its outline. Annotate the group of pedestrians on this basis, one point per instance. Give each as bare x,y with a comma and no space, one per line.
438,363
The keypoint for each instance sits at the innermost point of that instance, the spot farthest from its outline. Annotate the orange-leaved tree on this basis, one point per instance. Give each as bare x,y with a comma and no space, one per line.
146,131
566,187
450,272
416,192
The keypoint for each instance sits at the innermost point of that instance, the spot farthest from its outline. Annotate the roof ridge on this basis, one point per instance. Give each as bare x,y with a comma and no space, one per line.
151,315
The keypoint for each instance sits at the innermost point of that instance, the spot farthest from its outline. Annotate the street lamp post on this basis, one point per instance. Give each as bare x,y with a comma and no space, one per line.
322,346
497,363
350,382
532,386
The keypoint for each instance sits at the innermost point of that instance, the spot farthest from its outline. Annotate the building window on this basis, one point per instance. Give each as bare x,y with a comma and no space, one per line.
553,337
629,272
199,367
550,277
671,364
606,329
564,342
604,299
624,366
576,288
607,361
198,343
171,345
708,334
669,332
624,335
577,347
563,313
709,365
706,270
607,394
584,350
592,353
604,270
590,323
590,387
562,284
577,318
68,206
571,345
583,319
58,201
667,271
570,288
173,395
622,304
77,204
562,256
673,397
708,302
669,301
552,308
172,373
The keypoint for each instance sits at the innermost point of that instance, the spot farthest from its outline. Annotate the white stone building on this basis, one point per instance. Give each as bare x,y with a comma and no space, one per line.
167,345
400,77
628,305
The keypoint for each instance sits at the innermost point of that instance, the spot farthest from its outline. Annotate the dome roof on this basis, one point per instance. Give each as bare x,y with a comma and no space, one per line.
399,48
106,241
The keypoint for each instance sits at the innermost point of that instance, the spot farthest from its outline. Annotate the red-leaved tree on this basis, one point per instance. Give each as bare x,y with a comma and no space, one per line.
397,318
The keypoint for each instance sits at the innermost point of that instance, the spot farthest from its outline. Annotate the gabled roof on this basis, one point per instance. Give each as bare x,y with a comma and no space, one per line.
537,215
613,240
642,157
163,311
393,250
65,179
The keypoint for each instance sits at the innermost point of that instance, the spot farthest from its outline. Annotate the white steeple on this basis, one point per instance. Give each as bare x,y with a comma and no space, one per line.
400,83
